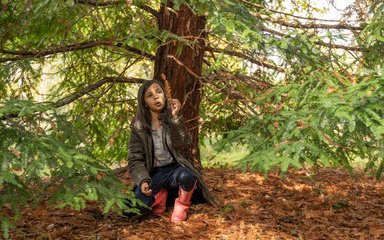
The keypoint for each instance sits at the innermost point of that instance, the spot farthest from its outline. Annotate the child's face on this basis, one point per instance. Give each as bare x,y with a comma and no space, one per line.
154,98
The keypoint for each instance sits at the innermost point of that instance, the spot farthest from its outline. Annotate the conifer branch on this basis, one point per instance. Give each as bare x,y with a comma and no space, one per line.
21,54
74,96
284,13
320,43
116,2
310,25
101,3
149,9
245,56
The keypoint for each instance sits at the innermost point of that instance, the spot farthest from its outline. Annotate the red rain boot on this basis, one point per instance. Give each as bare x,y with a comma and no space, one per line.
182,204
159,206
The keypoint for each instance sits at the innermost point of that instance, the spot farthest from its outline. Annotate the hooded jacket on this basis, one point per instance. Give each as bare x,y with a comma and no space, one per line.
141,152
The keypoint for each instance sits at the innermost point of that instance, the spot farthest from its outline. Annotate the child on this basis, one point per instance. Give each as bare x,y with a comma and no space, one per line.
157,132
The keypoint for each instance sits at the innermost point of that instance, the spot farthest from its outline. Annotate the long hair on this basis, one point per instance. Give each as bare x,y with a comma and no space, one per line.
143,114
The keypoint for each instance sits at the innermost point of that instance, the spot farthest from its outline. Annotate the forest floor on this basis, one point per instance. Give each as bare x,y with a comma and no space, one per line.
329,205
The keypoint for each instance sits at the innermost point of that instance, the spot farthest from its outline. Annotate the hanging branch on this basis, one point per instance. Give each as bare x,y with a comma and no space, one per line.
74,96
332,45
321,43
244,56
190,71
70,48
97,3
149,9
284,13
254,83
311,25
234,95
136,51
116,2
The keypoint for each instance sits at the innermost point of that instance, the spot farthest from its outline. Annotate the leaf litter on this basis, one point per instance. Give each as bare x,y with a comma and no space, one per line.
328,205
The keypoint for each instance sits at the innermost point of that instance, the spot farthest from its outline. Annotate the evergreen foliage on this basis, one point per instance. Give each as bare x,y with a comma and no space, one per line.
45,158
295,90
329,112
321,121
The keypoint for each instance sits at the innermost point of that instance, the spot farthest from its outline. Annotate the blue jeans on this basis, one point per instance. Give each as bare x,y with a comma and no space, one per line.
170,177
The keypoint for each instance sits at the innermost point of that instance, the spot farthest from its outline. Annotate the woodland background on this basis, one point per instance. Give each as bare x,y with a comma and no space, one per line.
265,82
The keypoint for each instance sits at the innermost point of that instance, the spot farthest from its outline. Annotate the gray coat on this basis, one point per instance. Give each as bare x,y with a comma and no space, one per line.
140,152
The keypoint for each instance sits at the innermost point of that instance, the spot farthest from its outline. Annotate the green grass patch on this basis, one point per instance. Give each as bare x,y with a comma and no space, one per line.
228,157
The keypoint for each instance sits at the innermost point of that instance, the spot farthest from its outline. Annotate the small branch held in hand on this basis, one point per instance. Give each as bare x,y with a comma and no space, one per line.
167,86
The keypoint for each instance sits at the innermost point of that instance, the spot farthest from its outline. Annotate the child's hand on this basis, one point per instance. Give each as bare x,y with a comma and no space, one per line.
175,106
145,188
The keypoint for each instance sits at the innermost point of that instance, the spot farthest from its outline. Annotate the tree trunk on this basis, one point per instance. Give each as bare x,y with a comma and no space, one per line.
181,65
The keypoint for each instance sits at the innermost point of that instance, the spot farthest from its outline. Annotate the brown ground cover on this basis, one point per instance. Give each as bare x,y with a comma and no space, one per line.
329,205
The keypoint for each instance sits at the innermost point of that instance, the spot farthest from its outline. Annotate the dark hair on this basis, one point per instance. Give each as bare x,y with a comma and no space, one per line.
143,115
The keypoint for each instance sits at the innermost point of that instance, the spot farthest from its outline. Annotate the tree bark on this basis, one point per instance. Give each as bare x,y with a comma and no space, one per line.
181,64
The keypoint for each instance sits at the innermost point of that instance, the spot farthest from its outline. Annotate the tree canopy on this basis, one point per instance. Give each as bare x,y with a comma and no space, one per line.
294,88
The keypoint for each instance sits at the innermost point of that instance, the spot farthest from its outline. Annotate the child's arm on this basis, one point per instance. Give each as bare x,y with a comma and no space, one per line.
136,160
179,134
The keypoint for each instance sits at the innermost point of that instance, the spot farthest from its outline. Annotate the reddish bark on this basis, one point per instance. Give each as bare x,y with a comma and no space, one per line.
181,64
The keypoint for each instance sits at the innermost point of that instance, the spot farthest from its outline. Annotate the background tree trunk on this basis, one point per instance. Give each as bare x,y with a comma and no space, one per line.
181,64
